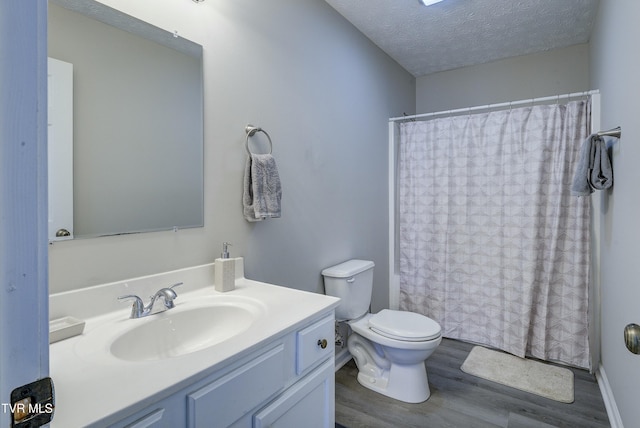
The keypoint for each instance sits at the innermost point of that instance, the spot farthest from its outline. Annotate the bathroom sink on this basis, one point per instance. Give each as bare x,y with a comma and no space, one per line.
183,330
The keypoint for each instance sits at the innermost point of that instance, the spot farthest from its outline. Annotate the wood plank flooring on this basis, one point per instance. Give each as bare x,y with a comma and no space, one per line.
460,400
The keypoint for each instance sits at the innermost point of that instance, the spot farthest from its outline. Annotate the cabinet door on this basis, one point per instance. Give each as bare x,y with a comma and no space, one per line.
227,399
308,403
152,420
166,413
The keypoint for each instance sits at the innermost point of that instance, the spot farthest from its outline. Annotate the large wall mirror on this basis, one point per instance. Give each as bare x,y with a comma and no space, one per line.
137,121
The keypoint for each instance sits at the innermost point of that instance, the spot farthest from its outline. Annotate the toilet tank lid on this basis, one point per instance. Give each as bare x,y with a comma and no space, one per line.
348,268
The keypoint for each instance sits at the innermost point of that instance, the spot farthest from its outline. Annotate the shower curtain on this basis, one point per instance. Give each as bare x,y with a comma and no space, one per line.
492,245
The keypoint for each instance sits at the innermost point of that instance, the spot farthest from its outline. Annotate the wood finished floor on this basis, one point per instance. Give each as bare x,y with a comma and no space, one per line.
460,400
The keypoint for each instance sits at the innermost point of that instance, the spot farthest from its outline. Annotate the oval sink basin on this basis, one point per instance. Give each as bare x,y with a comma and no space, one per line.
174,333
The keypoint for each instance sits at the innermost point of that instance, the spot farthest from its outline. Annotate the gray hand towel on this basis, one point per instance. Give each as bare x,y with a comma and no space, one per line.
601,174
262,191
594,168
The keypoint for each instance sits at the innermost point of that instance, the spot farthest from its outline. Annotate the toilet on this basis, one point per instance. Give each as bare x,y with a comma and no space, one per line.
390,348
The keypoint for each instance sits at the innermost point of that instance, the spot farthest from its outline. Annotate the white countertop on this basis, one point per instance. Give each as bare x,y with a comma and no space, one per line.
91,384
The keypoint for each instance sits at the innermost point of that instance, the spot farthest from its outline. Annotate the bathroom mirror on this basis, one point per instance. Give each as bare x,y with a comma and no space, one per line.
137,121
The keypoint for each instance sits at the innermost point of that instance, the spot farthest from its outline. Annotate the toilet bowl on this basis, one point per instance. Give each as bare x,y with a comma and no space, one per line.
391,364
390,347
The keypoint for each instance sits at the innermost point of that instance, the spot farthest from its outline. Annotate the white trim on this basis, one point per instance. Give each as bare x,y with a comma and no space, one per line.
342,358
609,401
594,271
394,277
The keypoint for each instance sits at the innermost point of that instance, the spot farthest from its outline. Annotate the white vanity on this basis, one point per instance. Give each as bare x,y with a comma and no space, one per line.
258,356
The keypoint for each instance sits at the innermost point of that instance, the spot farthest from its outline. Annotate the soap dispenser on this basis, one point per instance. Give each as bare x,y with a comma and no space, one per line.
225,270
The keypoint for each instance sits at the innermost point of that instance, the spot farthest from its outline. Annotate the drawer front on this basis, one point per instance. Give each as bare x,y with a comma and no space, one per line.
315,343
224,401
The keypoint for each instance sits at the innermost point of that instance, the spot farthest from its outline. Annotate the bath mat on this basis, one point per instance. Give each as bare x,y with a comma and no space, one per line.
531,376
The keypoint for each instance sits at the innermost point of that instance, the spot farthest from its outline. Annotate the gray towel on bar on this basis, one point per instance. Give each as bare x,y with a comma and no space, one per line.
594,168
262,191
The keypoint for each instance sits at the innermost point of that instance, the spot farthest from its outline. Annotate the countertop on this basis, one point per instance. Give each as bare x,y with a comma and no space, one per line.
91,384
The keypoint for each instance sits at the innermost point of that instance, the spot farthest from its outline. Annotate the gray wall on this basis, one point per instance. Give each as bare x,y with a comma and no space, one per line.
324,93
615,67
544,74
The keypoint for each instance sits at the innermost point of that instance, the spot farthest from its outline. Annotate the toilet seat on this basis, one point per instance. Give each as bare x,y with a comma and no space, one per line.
405,326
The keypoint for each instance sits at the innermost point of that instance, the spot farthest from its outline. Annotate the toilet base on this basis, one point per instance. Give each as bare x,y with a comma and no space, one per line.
406,383
396,379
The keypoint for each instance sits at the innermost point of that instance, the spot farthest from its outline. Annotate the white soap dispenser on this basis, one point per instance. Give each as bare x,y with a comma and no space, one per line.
225,271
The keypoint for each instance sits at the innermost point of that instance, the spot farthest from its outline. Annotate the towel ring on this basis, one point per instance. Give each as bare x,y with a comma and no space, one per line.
251,131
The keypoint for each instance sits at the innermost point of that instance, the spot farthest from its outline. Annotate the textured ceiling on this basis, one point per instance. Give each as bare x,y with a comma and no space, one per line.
458,33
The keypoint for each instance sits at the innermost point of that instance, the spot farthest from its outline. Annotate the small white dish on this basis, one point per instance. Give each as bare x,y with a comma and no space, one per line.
64,328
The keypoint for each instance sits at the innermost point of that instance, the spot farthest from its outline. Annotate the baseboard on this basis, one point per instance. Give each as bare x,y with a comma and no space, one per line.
609,402
342,358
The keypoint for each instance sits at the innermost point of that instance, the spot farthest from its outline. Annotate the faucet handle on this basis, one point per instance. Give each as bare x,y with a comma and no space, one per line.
171,292
176,285
131,296
169,303
138,305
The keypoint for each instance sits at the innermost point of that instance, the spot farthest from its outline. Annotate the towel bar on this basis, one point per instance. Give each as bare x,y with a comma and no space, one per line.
251,131
615,132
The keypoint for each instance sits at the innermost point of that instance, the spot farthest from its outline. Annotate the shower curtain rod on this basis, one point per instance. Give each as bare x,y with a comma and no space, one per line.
498,106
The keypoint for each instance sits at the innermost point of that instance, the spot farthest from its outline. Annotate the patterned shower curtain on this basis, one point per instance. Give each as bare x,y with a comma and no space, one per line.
492,245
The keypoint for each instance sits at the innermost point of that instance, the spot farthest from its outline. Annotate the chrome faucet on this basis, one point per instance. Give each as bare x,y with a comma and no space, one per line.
139,310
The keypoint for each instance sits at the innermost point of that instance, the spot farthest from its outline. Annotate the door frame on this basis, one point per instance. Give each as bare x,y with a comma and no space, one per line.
24,295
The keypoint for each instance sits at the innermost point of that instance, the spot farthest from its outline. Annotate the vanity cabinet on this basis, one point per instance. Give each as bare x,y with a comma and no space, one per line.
287,382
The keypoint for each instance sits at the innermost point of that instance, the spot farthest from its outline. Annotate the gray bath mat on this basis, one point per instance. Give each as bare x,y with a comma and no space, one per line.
531,376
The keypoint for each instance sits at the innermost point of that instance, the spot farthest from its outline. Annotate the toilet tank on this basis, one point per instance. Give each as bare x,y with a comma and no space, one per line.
352,282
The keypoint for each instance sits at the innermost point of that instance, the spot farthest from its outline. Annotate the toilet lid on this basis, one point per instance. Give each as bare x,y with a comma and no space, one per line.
402,325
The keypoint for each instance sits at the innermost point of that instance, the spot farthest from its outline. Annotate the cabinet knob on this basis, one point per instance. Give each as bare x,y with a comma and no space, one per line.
322,343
